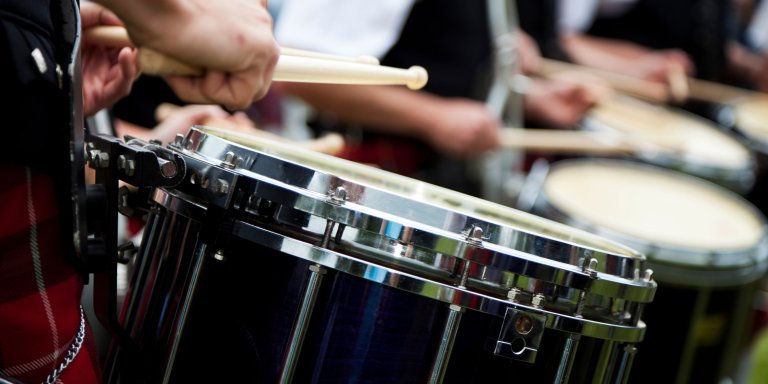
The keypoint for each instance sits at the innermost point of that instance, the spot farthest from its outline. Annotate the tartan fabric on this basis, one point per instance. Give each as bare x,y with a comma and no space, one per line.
39,288
392,154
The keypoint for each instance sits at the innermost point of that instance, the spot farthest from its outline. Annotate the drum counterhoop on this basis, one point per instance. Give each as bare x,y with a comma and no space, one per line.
543,290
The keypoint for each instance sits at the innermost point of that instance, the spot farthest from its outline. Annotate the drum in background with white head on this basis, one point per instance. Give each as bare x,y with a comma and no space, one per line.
706,245
748,117
275,264
677,140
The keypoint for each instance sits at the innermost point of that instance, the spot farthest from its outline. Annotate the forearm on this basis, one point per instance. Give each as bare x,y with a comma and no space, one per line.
602,53
386,109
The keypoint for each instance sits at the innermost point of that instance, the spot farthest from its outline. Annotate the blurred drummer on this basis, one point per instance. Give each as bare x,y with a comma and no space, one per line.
390,126
659,40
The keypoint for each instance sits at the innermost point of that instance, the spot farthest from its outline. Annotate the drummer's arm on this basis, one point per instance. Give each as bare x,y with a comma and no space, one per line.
748,66
459,127
624,56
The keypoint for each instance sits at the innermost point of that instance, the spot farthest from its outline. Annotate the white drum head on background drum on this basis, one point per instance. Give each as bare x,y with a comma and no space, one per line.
689,137
752,118
693,232
654,204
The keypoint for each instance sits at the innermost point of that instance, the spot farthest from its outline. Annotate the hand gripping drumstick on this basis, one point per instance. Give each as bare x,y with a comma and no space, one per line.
632,85
293,65
330,144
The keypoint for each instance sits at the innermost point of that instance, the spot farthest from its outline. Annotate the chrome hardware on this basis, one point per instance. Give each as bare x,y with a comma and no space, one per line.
520,335
128,166
337,196
229,160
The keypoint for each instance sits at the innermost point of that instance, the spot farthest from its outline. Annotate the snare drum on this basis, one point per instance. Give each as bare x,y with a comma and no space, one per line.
706,246
749,118
677,140
269,264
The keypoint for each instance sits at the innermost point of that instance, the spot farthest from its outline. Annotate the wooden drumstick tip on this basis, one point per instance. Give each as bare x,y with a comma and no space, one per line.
420,77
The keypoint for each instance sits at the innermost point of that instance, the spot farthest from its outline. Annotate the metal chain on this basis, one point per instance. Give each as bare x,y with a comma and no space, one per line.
74,349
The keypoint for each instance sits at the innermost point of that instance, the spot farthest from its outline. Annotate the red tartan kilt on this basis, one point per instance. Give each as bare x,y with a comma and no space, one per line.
40,289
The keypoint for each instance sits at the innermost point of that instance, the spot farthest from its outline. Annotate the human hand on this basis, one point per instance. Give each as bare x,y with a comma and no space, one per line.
658,65
528,52
463,128
560,104
232,39
108,73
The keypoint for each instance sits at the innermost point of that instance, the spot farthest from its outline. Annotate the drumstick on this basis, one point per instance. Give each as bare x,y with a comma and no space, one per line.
330,144
718,93
576,142
638,87
679,91
328,69
362,59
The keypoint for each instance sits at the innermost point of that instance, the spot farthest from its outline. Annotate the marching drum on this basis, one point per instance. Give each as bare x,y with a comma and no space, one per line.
677,140
272,264
748,117
706,245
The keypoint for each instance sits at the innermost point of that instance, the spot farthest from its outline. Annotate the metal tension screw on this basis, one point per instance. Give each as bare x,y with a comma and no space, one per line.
338,195
127,166
229,160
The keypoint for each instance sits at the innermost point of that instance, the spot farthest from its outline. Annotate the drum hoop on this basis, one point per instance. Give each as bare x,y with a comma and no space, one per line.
496,257
719,268
452,221
175,202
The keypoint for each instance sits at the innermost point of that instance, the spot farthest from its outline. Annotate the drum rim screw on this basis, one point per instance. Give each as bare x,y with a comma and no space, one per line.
229,160
589,267
128,166
98,159
337,195
537,299
219,255
648,275
475,235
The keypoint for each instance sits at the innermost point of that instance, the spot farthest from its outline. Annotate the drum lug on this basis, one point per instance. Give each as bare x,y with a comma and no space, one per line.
520,335
337,196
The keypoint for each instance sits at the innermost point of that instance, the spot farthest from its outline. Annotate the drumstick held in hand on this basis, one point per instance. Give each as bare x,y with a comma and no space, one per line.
321,68
638,87
330,144
678,84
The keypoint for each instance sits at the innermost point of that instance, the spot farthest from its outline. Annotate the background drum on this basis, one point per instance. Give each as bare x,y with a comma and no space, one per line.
747,117
677,140
706,245
291,265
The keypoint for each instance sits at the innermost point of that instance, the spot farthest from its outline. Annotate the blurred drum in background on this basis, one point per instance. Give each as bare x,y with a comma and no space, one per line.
706,245
748,118
677,140
270,263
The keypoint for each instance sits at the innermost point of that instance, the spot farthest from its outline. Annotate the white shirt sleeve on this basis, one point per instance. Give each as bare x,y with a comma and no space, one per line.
757,32
576,15
342,27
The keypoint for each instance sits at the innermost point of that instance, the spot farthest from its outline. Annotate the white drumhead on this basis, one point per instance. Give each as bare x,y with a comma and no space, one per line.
653,205
752,118
692,138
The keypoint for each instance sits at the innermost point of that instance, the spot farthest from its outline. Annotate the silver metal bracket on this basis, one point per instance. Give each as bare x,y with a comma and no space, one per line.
520,335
